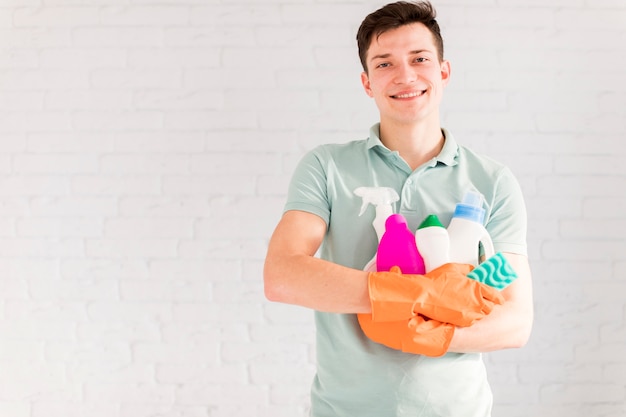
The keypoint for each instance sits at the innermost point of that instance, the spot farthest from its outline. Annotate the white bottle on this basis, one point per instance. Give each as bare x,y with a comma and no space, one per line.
433,242
382,198
466,231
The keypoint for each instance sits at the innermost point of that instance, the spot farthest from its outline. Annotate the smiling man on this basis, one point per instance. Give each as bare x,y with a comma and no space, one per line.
404,71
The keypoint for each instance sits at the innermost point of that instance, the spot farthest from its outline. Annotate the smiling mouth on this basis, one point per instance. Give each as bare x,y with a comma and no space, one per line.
410,95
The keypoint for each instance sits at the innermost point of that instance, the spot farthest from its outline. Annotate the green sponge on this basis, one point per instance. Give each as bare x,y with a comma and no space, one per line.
495,272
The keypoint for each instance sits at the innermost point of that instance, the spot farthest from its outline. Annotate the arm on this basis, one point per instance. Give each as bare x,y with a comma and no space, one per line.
293,275
509,325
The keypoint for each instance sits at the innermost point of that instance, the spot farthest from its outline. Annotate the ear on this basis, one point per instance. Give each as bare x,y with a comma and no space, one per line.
365,80
445,72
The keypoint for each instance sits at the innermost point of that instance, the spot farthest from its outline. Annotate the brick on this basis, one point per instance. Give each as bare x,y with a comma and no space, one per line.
149,15
314,34
179,290
159,142
108,352
210,120
296,395
183,206
614,229
180,99
206,374
277,57
42,313
127,312
134,248
214,78
203,185
13,143
66,227
591,165
576,185
341,13
148,228
268,373
115,185
594,19
227,227
511,17
148,410
117,120
45,288
195,269
128,393
195,332
90,268
15,409
244,293
64,206
92,100
22,122
56,16
55,408
569,393
516,393
94,36
82,58
586,123
26,269
55,164
145,164
211,249
212,36
41,247
238,14
501,121
119,332
35,37
18,58
176,353
231,394
184,57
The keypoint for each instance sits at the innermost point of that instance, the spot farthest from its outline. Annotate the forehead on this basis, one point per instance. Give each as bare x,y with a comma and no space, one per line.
411,37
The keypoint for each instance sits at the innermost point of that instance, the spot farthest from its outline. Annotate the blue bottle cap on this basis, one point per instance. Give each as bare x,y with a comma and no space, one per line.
471,208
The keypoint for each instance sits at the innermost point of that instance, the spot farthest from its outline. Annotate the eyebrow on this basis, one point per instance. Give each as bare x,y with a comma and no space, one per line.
387,55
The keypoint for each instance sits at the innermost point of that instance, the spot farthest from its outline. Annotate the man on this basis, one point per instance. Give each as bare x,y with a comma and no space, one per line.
405,73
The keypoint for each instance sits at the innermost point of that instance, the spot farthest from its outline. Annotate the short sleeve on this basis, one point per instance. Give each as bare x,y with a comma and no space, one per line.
308,187
507,223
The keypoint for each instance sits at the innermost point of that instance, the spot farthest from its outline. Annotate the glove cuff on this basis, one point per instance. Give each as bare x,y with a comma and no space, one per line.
392,295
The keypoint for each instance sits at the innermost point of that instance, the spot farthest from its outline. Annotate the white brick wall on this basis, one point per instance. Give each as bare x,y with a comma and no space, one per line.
145,150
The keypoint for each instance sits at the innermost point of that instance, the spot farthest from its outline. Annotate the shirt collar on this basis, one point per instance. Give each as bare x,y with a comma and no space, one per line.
447,155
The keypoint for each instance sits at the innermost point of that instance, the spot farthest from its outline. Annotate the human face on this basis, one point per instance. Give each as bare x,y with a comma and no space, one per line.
405,76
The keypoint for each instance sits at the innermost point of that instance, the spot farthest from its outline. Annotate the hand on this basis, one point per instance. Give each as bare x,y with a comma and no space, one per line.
418,335
445,294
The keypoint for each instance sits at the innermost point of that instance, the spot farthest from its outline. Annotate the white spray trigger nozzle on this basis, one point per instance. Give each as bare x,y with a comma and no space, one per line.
376,196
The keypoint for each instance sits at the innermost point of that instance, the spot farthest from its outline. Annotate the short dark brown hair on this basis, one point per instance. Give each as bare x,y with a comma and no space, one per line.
394,15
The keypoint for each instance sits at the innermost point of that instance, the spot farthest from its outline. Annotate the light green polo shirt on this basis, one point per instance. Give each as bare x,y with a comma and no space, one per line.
355,376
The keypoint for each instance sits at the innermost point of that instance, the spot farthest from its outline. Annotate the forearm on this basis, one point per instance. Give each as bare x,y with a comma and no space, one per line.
507,326
293,274
315,283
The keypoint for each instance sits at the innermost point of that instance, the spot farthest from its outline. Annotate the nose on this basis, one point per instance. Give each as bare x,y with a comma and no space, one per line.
405,74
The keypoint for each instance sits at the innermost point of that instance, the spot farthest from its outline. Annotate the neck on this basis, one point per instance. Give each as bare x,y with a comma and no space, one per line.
416,143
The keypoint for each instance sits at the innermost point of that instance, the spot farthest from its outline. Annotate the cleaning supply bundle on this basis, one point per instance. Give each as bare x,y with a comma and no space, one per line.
425,293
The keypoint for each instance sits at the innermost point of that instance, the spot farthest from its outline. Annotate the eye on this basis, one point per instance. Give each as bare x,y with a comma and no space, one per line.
383,65
421,59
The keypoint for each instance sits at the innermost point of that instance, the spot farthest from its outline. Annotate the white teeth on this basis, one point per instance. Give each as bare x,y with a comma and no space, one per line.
409,95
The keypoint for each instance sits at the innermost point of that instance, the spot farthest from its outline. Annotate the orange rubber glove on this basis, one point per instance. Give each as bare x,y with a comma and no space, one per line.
417,335
445,294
